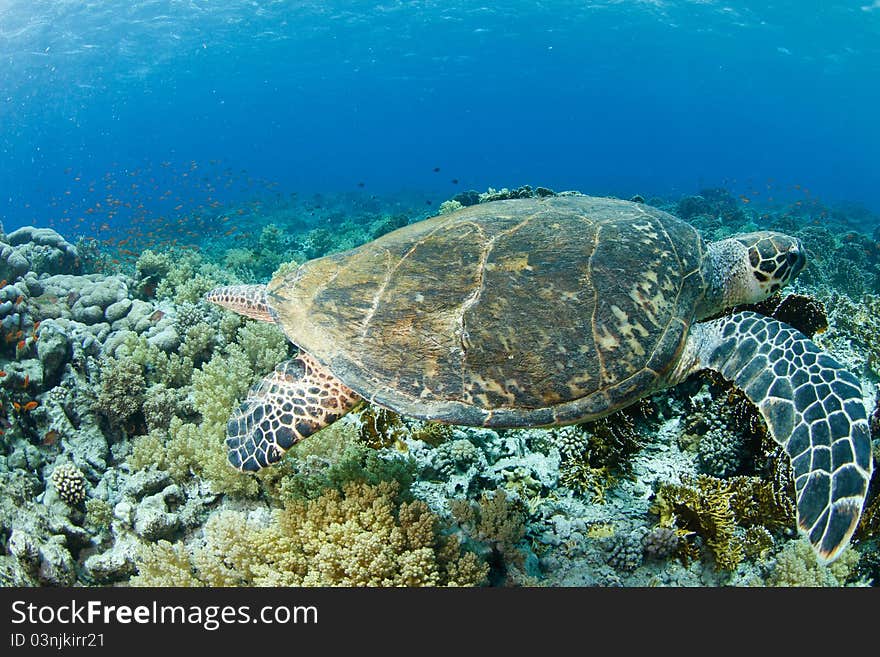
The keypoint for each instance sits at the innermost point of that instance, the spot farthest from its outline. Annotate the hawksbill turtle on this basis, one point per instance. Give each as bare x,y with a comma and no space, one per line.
542,312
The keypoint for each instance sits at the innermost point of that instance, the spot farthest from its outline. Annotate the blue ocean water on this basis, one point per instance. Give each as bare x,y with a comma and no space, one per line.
250,98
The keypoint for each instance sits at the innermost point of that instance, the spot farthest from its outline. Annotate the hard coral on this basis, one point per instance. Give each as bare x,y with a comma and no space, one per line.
497,523
70,483
721,510
859,322
595,453
724,429
625,551
660,542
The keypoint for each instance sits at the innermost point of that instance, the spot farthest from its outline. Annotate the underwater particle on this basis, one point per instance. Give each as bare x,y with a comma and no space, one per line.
70,483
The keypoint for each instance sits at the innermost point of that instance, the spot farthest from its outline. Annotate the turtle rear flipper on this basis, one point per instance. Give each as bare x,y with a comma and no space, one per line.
247,300
296,400
813,408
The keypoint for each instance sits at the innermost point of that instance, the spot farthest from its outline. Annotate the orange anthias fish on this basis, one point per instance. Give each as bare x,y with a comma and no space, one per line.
31,405
51,437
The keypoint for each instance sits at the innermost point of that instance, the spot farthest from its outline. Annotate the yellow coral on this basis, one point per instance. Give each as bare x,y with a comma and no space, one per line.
720,510
265,345
360,536
221,384
188,449
796,565
164,564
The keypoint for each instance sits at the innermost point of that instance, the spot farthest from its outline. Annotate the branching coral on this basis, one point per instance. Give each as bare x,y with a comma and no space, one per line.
497,523
150,269
188,278
625,551
595,453
720,511
160,405
356,463
221,384
121,395
364,535
265,345
796,565
171,370
724,429
186,448
198,343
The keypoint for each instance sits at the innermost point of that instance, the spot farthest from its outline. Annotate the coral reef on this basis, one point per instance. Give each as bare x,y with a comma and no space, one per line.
660,542
804,313
364,535
860,324
715,203
724,429
116,382
121,395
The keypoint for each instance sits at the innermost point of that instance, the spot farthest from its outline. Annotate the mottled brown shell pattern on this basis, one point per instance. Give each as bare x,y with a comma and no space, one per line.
513,313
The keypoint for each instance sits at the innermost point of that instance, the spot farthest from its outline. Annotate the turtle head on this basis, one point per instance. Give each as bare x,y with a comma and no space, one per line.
749,268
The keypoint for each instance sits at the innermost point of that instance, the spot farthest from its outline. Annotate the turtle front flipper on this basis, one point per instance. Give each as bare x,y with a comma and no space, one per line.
296,400
247,300
814,409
